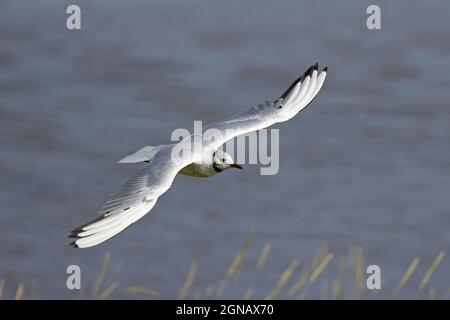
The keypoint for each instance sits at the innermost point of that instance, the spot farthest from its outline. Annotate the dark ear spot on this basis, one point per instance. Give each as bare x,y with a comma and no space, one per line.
214,154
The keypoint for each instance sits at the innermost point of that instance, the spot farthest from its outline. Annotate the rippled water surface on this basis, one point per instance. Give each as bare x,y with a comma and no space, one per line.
366,165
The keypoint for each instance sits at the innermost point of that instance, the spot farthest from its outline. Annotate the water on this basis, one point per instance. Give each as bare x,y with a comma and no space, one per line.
367,165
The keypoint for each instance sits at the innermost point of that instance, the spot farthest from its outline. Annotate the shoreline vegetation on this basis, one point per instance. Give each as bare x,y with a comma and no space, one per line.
297,280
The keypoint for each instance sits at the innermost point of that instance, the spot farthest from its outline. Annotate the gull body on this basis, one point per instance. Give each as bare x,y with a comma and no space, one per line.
210,166
220,162
140,193
199,170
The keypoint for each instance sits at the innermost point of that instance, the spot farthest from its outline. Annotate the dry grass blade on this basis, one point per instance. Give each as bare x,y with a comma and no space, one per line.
319,255
431,269
108,291
20,292
236,265
145,291
407,275
221,287
358,260
259,266
300,283
33,289
284,278
188,282
209,291
102,275
319,269
2,287
264,255
336,288
249,293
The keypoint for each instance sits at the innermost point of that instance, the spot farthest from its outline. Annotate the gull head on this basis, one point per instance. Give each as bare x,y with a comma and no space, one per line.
222,161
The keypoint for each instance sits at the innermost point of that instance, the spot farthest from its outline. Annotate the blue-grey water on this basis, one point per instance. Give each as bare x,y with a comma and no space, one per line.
367,165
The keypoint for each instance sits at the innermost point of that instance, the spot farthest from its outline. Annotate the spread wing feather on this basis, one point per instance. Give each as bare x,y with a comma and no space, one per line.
295,99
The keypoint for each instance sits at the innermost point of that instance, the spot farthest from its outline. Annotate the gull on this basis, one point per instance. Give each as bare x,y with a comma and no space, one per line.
140,193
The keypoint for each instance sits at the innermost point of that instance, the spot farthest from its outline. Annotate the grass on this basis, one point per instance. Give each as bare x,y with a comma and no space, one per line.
299,280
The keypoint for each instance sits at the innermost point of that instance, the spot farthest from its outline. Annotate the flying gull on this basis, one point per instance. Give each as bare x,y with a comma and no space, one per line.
140,193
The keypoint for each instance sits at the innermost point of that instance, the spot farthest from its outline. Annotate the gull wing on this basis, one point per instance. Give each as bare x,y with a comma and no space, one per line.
144,154
137,197
295,99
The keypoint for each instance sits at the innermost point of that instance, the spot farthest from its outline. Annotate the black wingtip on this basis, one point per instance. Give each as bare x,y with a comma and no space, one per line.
80,228
308,72
77,230
325,69
74,244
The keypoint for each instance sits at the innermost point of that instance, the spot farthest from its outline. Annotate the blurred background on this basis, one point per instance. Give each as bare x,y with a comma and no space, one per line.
365,169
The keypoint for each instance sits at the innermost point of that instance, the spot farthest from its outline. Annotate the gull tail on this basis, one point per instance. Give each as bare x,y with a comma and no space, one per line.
109,224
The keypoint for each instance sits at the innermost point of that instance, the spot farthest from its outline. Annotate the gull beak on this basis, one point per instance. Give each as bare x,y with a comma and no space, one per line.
235,165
